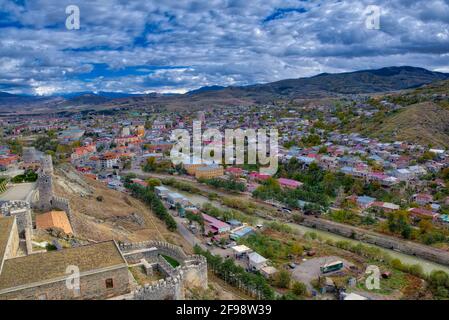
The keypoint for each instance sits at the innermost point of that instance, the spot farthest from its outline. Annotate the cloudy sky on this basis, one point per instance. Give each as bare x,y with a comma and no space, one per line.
179,45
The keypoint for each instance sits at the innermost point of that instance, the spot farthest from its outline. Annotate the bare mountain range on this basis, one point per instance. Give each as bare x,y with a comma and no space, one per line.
320,86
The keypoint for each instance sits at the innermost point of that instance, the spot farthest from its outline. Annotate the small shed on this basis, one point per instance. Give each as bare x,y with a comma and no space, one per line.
256,261
240,250
268,271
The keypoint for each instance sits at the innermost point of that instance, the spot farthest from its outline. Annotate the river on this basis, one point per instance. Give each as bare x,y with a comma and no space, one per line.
426,265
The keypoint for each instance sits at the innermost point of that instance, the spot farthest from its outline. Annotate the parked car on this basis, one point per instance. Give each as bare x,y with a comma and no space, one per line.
311,253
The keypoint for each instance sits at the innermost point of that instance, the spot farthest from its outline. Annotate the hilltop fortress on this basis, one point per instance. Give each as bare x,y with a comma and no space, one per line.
100,270
95,271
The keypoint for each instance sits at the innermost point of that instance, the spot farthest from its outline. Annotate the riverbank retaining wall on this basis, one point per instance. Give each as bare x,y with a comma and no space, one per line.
384,241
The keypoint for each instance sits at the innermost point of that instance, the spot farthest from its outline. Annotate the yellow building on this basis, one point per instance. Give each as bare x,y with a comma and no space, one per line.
209,172
191,168
140,131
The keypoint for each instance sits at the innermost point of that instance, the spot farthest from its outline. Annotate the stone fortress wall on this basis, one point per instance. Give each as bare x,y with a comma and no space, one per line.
21,210
192,271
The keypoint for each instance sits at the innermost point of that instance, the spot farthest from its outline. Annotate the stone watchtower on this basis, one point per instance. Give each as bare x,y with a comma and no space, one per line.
45,184
29,154
47,164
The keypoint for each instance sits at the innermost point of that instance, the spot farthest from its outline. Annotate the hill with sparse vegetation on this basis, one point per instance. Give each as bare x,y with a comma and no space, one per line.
426,123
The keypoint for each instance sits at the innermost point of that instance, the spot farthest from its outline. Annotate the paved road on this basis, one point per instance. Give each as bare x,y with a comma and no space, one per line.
143,175
187,234
18,192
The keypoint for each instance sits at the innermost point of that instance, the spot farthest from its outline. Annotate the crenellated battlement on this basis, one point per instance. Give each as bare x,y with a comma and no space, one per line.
192,271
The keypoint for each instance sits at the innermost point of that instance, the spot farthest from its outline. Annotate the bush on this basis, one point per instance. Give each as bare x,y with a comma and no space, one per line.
282,279
310,235
416,270
299,288
396,264
51,247
289,296
297,218
281,227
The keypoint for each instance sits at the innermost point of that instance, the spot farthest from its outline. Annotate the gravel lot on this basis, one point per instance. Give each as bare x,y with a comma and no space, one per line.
310,269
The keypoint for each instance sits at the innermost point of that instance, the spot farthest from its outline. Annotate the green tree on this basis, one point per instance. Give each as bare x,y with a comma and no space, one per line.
153,182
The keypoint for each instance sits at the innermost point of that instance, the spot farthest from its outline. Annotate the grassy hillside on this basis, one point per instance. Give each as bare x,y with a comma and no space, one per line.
425,123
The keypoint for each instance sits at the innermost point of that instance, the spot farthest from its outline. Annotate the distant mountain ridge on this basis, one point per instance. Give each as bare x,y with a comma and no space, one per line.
364,81
6,95
206,89
322,85
104,94
325,85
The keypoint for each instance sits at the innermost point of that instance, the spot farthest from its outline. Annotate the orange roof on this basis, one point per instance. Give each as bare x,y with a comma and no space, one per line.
54,219
6,160
109,155
91,175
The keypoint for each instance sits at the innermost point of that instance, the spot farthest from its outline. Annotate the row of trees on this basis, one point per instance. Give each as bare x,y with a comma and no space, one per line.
181,185
271,190
400,223
147,195
28,176
226,269
231,184
152,165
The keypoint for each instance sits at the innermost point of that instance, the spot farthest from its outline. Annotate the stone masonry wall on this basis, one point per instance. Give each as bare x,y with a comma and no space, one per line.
12,245
64,204
21,210
162,247
45,187
192,271
91,287
165,289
